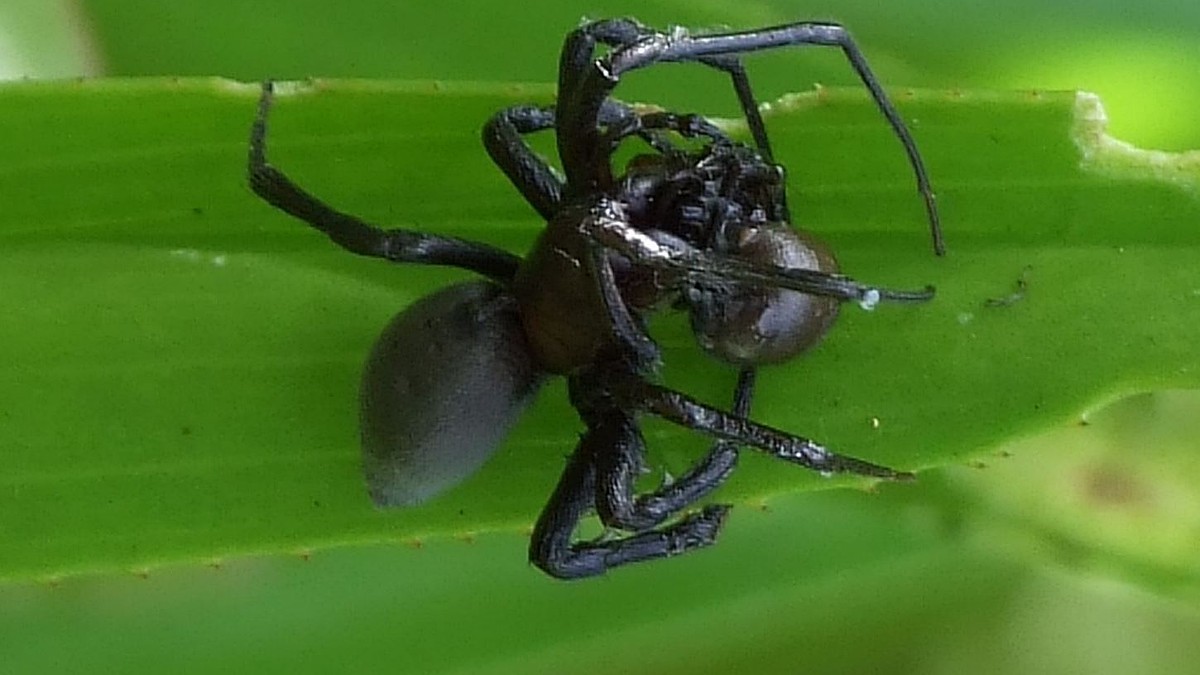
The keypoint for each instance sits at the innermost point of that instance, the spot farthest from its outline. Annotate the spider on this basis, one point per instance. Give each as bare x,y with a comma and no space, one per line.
701,226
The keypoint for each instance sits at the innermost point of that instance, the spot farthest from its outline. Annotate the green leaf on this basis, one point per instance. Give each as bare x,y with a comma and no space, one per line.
1115,494
185,358
40,39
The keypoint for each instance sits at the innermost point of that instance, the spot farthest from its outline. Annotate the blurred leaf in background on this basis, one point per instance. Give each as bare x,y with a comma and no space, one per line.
44,39
1140,59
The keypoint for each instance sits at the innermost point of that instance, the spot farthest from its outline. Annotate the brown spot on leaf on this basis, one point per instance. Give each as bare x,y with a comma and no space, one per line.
1109,485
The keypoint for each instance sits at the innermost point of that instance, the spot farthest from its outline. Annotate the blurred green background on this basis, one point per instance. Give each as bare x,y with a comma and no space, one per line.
955,576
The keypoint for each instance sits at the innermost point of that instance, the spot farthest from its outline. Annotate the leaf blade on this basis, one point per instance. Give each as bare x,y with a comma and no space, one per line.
186,359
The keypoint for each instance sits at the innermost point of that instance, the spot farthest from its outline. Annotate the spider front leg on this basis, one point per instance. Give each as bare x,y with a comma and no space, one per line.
581,98
658,48
356,235
625,389
607,228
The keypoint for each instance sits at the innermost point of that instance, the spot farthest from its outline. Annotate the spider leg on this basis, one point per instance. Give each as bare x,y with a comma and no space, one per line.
632,391
608,70
758,129
537,181
747,101
540,183
551,547
688,126
618,468
636,345
607,227
358,236
616,502
581,98
579,47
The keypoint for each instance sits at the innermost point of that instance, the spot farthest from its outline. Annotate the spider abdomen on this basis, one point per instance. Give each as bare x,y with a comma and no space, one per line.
444,383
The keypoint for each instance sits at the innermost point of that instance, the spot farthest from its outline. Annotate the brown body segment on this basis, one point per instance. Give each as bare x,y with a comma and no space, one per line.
561,308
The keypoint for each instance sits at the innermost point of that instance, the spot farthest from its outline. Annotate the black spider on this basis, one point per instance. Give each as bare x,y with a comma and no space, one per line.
702,225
